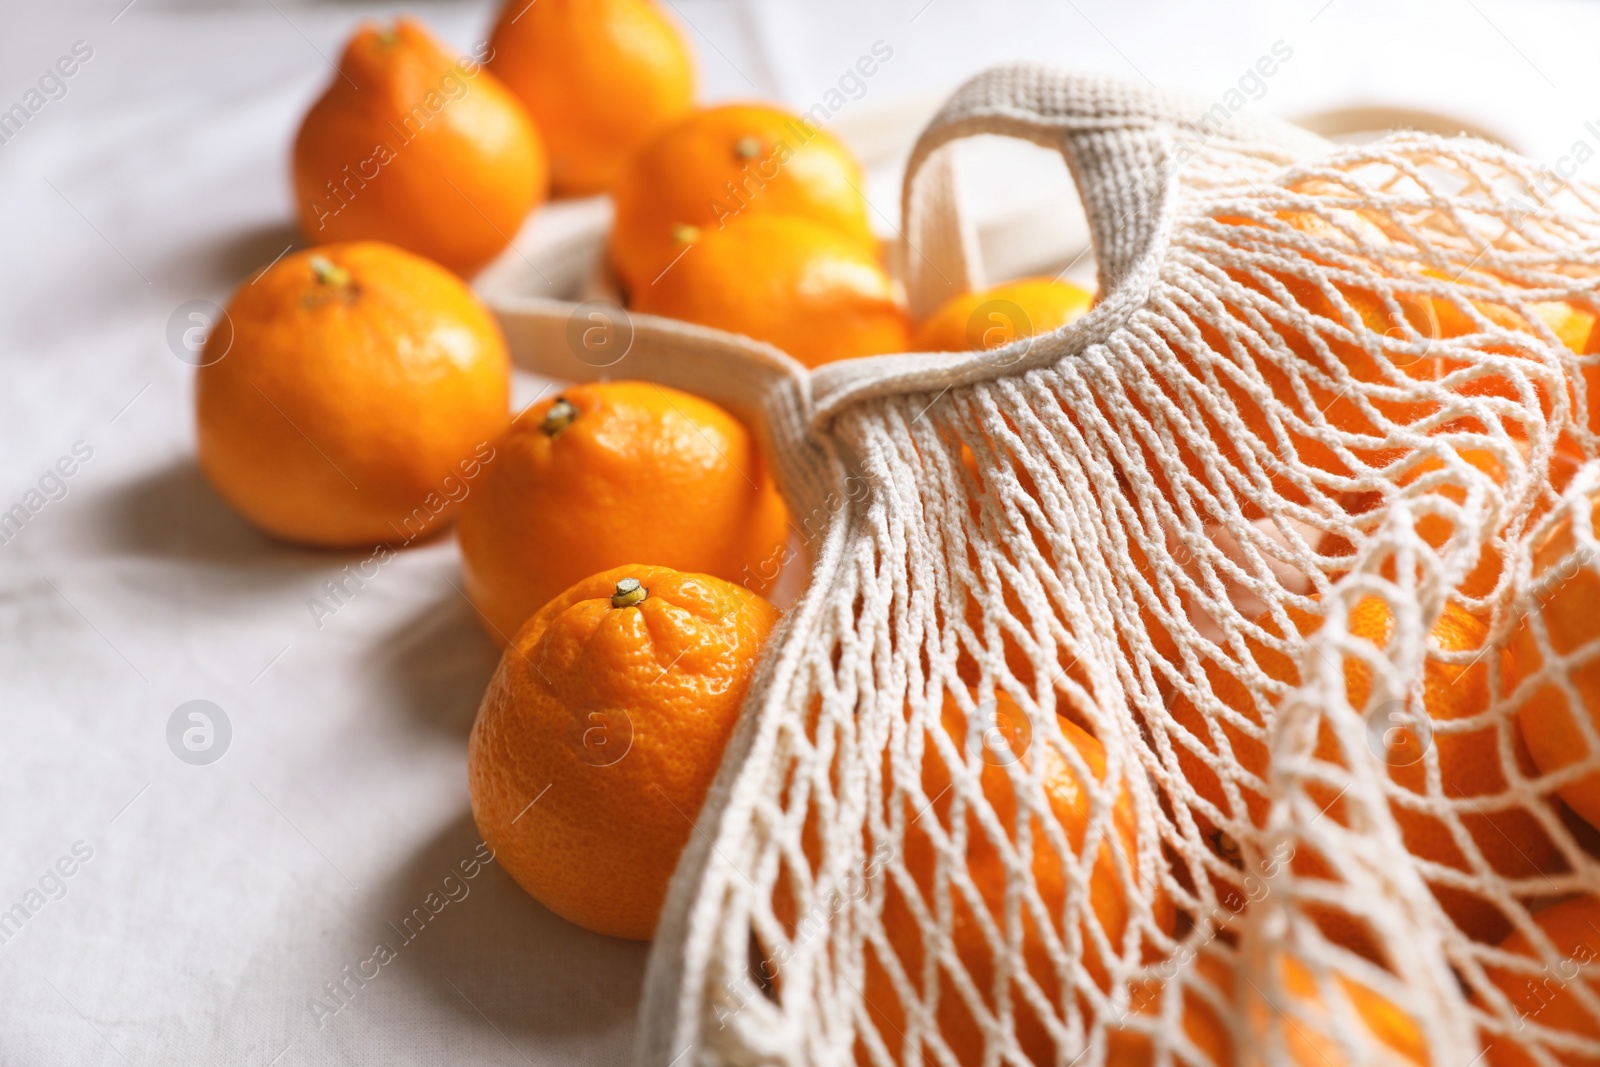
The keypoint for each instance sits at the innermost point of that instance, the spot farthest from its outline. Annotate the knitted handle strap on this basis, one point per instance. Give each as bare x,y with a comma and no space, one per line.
1127,147
1115,140
1120,140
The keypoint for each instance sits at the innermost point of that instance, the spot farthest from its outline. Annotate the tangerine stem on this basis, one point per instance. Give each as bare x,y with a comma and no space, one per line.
559,417
629,594
328,272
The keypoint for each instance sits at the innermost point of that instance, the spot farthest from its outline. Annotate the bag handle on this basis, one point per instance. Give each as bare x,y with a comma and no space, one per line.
1126,145
1114,141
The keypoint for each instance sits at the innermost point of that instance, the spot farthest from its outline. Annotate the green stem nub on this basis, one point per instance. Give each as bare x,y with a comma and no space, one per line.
747,148
329,272
683,234
1227,845
559,417
629,594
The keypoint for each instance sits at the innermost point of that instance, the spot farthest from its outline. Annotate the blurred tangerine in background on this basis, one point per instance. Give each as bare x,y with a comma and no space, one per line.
415,147
788,281
1001,314
727,162
599,77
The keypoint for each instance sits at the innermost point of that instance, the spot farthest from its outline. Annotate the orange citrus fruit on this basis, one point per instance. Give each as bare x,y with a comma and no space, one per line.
601,732
1510,840
785,280
1571,324
1332,337
413,146
1342,338
1246,750
723,163
1567,325
599,77
1203,1026
1001,314
1310,1031
1004,743
608,473
1544,997
359,399
1313,1045
1548,721
1436,529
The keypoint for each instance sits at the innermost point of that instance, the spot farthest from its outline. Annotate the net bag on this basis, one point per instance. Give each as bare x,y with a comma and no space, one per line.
1202,683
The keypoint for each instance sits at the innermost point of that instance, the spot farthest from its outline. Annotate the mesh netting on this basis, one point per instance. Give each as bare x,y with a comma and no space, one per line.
1161,703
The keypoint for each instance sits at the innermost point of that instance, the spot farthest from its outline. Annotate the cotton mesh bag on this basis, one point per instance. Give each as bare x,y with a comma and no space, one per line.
1158,690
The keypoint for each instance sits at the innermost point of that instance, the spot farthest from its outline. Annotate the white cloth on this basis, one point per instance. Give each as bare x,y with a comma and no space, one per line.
217,901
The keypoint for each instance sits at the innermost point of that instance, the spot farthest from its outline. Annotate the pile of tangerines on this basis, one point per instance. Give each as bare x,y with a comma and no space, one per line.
611,534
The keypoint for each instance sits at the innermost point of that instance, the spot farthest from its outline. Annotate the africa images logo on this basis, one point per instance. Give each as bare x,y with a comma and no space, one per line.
51,887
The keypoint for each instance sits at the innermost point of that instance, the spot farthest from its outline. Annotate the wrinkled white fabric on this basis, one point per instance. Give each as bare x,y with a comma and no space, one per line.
218,902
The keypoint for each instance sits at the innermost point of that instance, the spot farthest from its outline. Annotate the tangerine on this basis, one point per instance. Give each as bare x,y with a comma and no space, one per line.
1551,717
1001,314
360,397
1545,1000
1203,1026
599,77
600,734
723,163
412,146
1510,840
611,472
1398,1038
1007,746
785,280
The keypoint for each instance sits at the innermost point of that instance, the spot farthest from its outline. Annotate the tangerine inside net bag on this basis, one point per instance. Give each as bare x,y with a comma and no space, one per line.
1155,697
